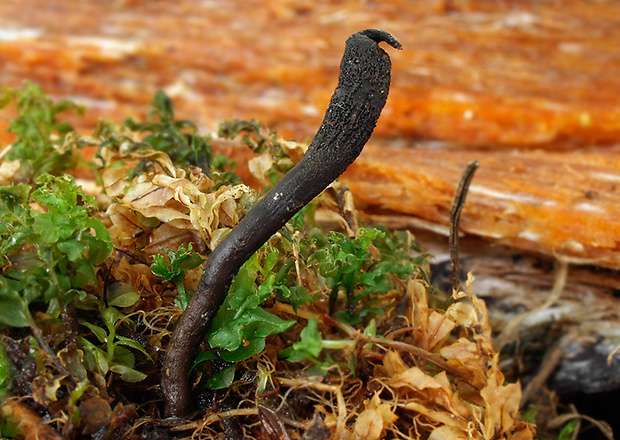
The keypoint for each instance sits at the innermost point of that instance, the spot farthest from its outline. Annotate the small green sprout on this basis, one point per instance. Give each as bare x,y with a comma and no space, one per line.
50,255
40,144
568,430
348,265
115,356
181,261
241,325
311,345
177,138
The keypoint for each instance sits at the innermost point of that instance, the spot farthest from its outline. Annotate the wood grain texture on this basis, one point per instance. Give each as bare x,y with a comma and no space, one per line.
507,73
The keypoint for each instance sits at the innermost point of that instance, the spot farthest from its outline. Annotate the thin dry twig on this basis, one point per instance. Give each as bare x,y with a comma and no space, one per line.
611,356
215,417
510,332
455,217
421,353
601,425
548,366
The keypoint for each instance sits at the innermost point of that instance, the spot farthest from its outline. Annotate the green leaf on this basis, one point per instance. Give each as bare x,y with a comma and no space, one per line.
73,249
241,325
123,356
270,262
121,340
9,428
222,379
568,430
308,347
248,349
190,260
35,287
99,332
14,194
100,246
177,138
295,295
40,135
162,107
348,265
204,356
49,230
94,356
56,245
264,323
128,374
246,336
228,337
181,261
160,268
12,308
83,275
127,299
6,373
265,290
111,316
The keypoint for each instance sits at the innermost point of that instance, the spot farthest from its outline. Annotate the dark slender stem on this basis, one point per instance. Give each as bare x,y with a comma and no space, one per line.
350,118
455,217
38,335
68,314
340,196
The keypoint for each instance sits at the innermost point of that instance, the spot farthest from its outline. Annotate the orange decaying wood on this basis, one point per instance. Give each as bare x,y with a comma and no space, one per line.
488,73
556,203
564,204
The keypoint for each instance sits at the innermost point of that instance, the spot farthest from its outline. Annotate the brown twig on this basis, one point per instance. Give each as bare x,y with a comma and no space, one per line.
38,335
422,354
455,217
511,331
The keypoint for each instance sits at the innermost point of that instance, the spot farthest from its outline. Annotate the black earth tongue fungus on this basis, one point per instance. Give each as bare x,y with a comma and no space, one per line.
349,121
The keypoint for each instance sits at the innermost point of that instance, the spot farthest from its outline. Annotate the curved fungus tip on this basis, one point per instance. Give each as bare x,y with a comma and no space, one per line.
382,36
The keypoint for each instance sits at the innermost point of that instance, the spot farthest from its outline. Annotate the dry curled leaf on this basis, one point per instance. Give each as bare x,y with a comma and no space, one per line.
44,389
168,195
459,392
372,423
501,403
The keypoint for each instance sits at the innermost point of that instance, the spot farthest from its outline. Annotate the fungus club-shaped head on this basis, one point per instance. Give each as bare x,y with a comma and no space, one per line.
357,102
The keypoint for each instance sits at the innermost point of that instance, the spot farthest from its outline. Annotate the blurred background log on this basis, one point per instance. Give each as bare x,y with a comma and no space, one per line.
487,73
529,88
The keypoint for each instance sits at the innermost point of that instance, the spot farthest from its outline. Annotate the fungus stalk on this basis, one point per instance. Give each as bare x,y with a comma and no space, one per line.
350,118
